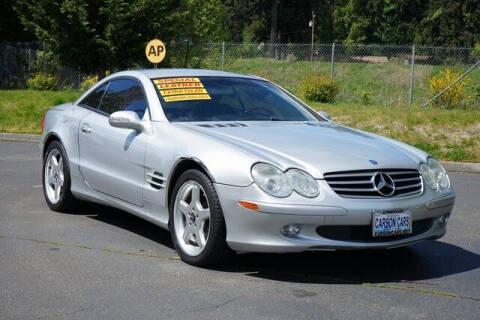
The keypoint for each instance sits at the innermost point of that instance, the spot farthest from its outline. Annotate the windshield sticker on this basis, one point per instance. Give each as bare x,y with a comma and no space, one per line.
181,89
173,80
172,92
187,97
179,85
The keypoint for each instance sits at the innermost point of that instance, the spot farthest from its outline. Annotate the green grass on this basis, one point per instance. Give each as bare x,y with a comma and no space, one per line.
21,111
383,84
452,135
374,97
447,134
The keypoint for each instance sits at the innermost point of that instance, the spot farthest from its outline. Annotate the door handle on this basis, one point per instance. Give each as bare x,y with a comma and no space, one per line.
86,128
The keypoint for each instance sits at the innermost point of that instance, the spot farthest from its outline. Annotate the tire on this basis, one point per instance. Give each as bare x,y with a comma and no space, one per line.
196,242
60,176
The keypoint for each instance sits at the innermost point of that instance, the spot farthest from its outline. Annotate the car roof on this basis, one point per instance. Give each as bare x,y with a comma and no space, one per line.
162,73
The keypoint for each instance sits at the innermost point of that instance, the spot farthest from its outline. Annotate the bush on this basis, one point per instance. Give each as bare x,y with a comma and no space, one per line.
476,50
454,96
365,97
88,82
46,61
42,81
476,94
319,89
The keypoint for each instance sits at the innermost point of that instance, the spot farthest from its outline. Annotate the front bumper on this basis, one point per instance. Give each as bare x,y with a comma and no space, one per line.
259,231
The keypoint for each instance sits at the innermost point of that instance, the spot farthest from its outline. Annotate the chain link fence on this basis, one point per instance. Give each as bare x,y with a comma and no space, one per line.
388,75
20,61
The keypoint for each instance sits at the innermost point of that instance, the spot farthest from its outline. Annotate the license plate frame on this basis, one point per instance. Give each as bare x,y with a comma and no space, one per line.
388,224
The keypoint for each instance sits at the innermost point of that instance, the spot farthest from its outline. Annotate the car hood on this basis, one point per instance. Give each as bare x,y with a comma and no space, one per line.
317,147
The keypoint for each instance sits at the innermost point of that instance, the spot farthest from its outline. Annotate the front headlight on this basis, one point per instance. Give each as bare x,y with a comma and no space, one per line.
280,184
303,183
434,175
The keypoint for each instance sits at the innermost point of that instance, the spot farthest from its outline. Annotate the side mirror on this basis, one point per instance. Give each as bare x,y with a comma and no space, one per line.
324,114
126,120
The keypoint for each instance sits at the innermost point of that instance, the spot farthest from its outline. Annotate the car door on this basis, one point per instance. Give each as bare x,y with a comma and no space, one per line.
112,159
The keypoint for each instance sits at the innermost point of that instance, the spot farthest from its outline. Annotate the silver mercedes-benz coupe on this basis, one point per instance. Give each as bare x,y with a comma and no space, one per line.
233,163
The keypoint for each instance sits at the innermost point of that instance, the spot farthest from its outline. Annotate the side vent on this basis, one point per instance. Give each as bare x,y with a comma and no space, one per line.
236,124
156,180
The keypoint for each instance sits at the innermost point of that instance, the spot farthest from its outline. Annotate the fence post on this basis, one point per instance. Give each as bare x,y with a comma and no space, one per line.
223,56
331,60
412,72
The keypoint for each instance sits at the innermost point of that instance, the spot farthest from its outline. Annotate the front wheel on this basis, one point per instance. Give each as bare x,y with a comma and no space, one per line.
196,222
56,179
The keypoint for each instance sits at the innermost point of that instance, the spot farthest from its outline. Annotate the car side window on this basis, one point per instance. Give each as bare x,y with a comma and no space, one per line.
93,99
124,95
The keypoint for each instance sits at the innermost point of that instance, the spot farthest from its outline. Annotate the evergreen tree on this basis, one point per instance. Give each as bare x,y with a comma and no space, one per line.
451,23
11,29
98,35
207,20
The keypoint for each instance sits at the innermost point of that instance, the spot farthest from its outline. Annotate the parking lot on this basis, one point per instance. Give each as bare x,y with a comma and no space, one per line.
99,262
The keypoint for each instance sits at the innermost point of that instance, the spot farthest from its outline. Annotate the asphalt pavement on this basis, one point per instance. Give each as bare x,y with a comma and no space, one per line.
99,262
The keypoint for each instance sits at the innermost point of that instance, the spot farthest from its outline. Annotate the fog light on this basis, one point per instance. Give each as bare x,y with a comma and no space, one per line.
290,230
443,219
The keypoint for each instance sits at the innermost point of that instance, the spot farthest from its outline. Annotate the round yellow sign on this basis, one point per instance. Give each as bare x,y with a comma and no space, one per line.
155,51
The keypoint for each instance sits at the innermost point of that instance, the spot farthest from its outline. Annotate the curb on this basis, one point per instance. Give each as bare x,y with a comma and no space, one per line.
16,137
466,167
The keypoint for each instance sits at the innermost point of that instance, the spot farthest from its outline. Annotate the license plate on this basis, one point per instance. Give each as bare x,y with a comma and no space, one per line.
391,224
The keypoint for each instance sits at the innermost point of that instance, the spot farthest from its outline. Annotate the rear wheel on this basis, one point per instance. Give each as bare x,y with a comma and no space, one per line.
197,224
56,178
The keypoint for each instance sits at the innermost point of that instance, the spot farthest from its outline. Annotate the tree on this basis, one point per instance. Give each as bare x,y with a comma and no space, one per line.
379,21
10,27
97,35
250,17
400,20
207,20
451,22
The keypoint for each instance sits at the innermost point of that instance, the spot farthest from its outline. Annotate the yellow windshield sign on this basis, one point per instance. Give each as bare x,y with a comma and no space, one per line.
181,89
173,80
187,97
179,85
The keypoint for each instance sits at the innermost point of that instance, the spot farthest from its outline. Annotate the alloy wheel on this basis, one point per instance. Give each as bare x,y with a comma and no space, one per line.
191,218
54,176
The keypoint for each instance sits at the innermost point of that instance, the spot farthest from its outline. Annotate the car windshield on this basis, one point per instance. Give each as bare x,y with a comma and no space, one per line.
228,99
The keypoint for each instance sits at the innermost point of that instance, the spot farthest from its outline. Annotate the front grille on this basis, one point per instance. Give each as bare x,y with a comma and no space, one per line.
358,184
364,233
